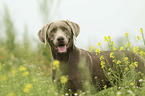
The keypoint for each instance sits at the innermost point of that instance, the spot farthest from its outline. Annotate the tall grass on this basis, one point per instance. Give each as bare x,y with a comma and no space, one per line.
10,31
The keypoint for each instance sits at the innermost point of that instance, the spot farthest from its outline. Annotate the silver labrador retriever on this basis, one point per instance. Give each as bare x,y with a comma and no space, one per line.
60,36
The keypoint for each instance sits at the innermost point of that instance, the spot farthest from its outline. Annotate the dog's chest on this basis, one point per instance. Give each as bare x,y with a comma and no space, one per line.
69,69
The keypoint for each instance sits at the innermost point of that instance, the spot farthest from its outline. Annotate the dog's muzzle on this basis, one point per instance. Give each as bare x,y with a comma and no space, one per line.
61,45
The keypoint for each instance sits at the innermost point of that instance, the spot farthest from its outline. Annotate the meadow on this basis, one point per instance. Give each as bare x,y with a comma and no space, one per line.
26,71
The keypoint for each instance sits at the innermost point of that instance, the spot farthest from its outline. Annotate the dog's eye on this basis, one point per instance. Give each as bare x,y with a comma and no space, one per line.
53,30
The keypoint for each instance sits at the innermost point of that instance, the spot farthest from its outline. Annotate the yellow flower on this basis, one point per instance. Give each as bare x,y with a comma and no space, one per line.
126,34
102,66
126,69
111,55
109,69
63,79
139,72
118,61
126,59
105,87
135,64
101,57
92,48
34,80
97,51
113,60
107,38
131,65
25,73
3,77
27,88
11,94
99,44
131,84
0,66
112,43
121,48
102,62
124,46
135,50
56,64
141,30
128,44
138,37
14,72
114,48
22,68
141,53
54,68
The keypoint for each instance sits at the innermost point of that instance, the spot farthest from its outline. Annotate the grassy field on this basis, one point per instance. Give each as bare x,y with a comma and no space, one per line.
26,71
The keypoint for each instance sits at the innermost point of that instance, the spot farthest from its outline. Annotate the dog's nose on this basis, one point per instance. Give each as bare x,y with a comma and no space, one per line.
60,38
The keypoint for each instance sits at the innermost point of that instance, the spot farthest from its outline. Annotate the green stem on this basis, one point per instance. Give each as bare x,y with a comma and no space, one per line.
143,38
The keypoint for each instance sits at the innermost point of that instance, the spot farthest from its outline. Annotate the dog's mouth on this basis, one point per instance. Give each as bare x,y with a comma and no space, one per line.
62,48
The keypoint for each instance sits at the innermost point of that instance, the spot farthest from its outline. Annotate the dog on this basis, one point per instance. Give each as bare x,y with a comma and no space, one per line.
61,35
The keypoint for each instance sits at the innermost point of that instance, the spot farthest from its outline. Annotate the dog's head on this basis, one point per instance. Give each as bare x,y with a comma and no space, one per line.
59,34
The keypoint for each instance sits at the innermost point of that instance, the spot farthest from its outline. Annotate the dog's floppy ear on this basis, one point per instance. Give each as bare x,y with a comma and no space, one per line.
43,33
75,28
